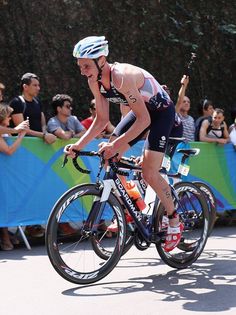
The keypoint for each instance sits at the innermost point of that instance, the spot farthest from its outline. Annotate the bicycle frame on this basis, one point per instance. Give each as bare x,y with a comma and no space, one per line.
112,184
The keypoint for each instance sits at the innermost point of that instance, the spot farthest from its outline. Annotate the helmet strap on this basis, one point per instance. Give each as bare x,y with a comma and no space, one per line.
99,69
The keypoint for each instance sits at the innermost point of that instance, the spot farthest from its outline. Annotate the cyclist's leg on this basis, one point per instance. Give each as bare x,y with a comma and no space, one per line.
155,146
122,127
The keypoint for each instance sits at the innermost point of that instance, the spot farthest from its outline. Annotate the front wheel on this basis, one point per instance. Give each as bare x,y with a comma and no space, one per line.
73,256
191,206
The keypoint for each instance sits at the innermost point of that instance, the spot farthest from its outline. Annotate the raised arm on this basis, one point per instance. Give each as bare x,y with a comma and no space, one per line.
184,84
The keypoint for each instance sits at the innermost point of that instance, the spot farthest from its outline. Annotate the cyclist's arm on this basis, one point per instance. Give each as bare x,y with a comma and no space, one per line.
130,79
109,128
124,110
100,121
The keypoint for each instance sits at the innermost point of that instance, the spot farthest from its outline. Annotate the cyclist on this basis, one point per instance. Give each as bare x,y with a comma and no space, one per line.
151,109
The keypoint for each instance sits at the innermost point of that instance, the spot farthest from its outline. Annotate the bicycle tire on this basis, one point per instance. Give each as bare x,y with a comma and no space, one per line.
103,252
211,202
74,257
195,216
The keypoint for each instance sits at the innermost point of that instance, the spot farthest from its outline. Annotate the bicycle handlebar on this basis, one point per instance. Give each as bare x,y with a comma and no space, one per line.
124,162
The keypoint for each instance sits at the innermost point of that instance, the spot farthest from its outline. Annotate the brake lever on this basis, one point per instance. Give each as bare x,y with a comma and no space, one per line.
65,160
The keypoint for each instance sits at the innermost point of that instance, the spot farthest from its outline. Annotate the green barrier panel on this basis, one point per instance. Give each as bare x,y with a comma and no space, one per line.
31,180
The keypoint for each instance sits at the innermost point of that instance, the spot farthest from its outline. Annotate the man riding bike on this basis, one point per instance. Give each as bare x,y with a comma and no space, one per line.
151,110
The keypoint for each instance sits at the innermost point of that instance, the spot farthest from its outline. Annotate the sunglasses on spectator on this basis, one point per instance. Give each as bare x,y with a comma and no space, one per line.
68,106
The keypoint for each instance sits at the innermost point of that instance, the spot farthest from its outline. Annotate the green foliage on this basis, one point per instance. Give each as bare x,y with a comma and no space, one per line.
39,36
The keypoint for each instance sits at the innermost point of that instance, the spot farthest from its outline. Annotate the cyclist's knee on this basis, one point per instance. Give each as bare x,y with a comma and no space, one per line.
148,175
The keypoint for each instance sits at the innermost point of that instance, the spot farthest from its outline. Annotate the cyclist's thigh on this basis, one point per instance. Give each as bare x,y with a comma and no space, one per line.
125,124
161,125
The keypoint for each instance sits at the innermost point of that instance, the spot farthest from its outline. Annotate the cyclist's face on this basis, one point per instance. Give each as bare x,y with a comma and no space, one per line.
88,68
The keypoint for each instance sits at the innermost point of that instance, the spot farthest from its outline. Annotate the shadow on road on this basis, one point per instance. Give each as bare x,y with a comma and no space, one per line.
206,286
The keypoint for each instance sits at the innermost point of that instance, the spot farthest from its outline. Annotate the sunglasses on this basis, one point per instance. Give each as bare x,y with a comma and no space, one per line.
68,106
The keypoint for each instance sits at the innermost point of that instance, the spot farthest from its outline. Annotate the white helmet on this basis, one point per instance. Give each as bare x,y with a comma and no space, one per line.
91,47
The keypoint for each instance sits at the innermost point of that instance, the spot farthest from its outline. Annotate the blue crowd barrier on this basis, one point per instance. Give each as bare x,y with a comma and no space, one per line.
31,180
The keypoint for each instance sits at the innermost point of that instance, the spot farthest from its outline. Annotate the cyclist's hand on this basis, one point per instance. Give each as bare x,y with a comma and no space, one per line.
108,150
68,150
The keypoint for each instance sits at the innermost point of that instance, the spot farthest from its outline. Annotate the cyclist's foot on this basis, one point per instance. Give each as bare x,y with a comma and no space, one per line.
164,222
173,237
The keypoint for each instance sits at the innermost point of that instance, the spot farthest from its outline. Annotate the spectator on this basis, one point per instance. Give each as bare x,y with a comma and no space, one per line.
28,105
2,88
232,128
88,121
24,125
182,108
206,110
63,124
214,129
7,241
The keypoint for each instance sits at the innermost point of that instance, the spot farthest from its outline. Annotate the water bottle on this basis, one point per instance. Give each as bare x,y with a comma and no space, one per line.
135,195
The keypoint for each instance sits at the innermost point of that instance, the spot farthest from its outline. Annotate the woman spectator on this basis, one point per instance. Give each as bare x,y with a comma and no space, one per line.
214,129
5,116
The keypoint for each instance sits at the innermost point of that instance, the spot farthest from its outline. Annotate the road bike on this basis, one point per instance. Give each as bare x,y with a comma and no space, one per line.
85,206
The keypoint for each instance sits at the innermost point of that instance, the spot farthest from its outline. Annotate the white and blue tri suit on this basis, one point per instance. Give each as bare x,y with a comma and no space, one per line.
160,108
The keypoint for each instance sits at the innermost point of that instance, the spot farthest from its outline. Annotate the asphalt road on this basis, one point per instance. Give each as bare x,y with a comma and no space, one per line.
140,284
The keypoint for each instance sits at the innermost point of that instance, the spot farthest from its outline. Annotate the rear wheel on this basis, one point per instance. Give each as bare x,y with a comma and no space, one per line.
74,257
211,202
193,212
